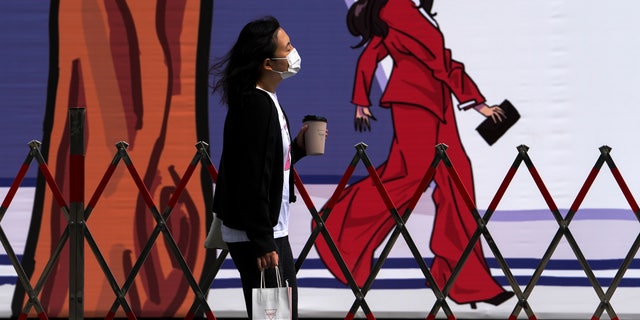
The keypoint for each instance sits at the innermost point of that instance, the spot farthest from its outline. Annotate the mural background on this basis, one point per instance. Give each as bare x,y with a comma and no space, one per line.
569,67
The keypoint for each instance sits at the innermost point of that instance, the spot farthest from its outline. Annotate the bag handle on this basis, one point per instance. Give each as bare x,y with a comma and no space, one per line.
278,278
263,283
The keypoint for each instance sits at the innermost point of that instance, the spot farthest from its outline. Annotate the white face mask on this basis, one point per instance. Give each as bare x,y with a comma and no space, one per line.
295,63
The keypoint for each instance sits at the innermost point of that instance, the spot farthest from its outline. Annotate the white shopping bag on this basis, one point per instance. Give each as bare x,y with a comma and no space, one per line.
271,303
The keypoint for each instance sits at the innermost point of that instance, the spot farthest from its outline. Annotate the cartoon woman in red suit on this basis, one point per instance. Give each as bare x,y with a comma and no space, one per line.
418,92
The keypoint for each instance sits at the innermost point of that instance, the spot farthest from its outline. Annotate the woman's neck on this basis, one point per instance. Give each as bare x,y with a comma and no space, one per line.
269,81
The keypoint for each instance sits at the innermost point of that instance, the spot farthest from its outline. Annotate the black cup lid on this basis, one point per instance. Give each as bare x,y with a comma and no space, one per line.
313,117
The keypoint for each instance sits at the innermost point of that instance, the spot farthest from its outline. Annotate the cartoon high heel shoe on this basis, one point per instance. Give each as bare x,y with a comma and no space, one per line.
497,300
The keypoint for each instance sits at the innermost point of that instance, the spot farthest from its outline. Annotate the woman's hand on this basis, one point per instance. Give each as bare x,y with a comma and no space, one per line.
362,119
269,260
496,113
300,137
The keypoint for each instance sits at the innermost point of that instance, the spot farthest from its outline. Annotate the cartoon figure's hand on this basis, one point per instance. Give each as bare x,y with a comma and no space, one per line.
362,119
496,113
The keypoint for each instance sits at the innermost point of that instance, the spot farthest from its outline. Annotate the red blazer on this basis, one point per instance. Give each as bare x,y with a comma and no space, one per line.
423,72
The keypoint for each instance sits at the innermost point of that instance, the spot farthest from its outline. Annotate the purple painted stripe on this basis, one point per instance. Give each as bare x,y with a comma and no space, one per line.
545,214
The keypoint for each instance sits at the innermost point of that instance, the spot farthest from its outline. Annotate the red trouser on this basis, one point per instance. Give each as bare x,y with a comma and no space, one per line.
360,221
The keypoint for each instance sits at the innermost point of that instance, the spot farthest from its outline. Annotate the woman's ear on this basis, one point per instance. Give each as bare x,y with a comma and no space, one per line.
266,64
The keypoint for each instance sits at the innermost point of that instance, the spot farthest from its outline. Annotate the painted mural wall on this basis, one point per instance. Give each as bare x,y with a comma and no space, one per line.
141,71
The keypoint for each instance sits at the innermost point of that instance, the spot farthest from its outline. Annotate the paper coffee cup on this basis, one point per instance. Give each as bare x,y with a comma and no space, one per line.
316,135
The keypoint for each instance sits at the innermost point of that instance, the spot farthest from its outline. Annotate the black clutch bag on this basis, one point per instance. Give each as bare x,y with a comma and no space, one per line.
491,131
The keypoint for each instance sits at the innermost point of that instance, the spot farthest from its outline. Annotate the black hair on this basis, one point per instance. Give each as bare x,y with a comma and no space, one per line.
427,5
239,69
363,19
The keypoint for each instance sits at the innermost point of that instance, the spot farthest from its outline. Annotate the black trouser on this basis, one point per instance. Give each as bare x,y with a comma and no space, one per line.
246,261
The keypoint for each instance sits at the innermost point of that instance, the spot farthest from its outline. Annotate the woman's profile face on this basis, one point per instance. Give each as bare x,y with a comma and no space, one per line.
283,47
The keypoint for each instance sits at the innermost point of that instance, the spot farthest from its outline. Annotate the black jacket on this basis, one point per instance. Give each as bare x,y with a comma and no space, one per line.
249,188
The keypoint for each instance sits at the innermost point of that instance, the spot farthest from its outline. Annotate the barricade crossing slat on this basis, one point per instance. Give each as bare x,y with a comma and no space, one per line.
320,229
160,227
